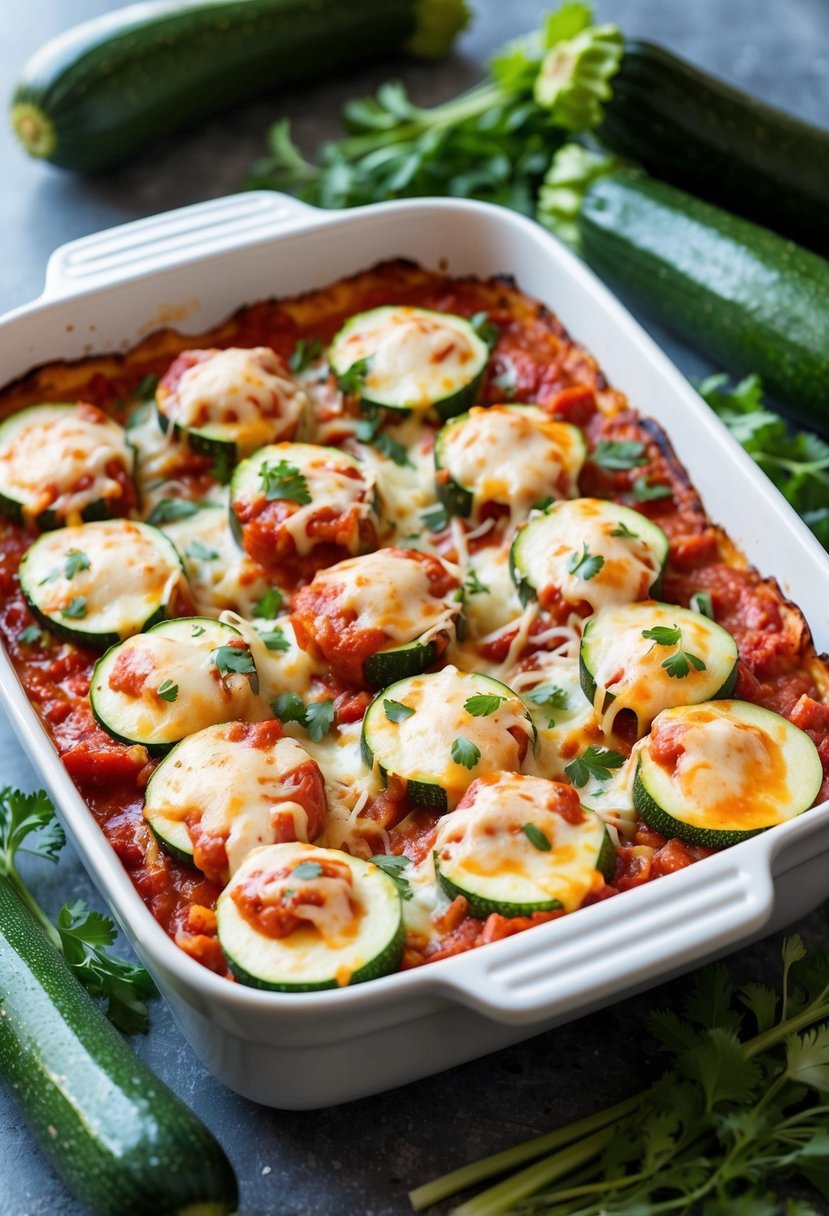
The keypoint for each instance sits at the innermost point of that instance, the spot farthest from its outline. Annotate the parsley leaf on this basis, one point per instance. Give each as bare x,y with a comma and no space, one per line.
615,455
307,870
649,491
436,518
351,381
319,718
482,704
30,635
289,707
702,603
585,565
549,696
84,936
465,752
22,816
306,352
473,585
367,430
199,551
486,330
77,610
197,631
167,690
596,762
679,665
238,659
663,635
76,560
284,480
396,711
268,606
622,529
274,639
394,864
168,510
538,839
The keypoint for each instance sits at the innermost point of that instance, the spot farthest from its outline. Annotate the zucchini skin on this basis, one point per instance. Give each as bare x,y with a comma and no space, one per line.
750,299
122,1142
697,132
95,94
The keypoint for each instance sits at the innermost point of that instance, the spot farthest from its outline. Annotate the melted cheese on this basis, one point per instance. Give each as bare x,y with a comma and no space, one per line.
247,394
484,849
629,566
417,357
499,606
325,901
237,791
58,458
391,593
132,571
420,747
515,456
228,580
291,670
406,490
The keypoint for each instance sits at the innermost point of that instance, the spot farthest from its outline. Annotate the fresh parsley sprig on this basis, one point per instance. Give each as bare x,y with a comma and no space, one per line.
679,664
736,1121
28,827
596,762
317,717
284,480
394,864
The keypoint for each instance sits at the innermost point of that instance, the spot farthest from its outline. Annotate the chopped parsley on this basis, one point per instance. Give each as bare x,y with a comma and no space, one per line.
486,330
548,696
168,691
465,752
396,711
197,631
473,585
538,839
622,529
368,431
597,762
394,864
168,510
677,665
289,707
199,551
284,480
650,491
268,606
76,560
317,717
274,639
663,635
30,635
228,659
585,565
307,870
351,381
482,704
77,610
702,603
436,518
306,352
615,455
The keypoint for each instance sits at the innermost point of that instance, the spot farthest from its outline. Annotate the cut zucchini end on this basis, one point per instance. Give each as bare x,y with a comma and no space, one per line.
437,24
481,908
387,666
659,819
34,128
173,836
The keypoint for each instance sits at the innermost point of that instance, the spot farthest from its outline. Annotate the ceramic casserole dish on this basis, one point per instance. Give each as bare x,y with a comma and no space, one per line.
193,267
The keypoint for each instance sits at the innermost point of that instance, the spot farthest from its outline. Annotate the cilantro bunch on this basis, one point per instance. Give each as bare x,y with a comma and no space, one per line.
738,1118
28,827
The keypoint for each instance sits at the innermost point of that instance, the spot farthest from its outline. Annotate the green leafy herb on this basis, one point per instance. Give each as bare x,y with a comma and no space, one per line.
76,560
222,465
435,519
307,870
702,603
319,718
306,352
274,639
679,665
352,380
663,635
796,461
396,711
484,328
30,635
483,704
394,864
538,839
736,1122
596,762
622,529
289,707
544,503
549,696
199,551
145,389
268,606
283,480
77,610
585,565
368,431
465,752
473,586
238,659
650,491
615,455
168,691
197,631
168,510
28,826
506,380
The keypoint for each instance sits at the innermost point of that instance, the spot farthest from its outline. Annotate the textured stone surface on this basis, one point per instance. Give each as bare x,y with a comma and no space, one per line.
359,1160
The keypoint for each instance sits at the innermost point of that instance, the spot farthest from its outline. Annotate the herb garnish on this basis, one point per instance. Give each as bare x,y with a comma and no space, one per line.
394,864
77,610
436,518
465,752
307,870
274,639
284,480
168,510
615,455
238,659
584,565
486,330
167,690
76,560
621,529
268,606
352,379
199,551
677,665
197,631
306,352
702,603
396,711
538,839
596,762
650,491
482,704
317,717
28,825
367,430
473,586
30,635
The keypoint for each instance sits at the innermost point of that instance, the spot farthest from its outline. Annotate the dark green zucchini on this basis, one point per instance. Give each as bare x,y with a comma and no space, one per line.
122,1142
699,133
751,300
94,95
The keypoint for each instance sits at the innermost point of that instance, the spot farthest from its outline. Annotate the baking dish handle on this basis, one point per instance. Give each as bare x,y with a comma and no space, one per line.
148,245
677,923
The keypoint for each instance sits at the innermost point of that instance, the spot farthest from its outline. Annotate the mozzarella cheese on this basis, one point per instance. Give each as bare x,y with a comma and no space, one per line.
59,458
290,670
220,574
515,456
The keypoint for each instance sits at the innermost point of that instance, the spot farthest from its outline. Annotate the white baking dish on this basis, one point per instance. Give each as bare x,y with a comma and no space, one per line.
193,267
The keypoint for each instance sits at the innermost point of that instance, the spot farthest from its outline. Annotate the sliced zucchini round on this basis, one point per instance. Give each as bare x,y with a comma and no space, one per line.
221,576
512,455
646,657
588,551
158,686
432,735
379,617
718,773
230,402
230,788
402,358
97,584
57,466
518,845
296,918
329,498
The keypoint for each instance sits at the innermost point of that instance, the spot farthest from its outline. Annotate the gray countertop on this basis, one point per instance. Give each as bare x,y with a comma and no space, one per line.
359,1160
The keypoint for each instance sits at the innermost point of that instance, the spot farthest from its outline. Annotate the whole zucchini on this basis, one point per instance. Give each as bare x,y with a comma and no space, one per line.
751,300
121,1141
93,95
694,131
